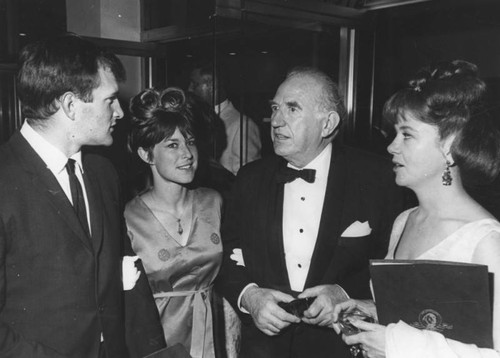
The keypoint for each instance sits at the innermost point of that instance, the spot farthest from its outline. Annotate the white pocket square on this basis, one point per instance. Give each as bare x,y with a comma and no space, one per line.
130,274
357,229
237,256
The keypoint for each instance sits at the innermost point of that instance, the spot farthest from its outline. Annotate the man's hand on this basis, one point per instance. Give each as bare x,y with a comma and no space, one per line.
365,306
262,304
321,310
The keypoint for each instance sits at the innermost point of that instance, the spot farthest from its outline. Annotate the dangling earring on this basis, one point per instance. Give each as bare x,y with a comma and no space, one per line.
446,177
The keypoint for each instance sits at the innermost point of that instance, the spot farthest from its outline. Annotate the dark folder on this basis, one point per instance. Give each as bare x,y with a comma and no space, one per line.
452,298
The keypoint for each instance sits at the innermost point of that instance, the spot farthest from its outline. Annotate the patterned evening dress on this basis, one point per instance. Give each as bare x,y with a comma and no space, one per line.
180,276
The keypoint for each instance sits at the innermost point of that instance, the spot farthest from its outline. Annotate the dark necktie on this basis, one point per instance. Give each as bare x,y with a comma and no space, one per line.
287,175
77,196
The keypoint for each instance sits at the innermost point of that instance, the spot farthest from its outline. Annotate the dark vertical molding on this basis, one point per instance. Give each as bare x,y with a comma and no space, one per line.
12,20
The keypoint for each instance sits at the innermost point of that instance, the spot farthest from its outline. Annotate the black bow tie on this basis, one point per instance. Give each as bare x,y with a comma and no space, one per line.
287,175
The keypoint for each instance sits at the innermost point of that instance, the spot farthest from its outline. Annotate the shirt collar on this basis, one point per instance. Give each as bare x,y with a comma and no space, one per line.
321,163
222,106
53,157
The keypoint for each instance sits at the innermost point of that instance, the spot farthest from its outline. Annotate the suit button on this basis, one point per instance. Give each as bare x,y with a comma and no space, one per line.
101,309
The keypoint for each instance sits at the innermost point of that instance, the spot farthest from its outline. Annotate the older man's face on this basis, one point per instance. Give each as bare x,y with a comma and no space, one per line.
297,120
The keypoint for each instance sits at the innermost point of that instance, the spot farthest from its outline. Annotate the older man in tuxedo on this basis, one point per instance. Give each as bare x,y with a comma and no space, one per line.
304,223
61,237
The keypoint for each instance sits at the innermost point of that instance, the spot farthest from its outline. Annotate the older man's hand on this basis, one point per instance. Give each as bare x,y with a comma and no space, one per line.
262,304
321,310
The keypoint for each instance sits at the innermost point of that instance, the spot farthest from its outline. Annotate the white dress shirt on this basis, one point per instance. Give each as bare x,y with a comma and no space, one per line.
56,162
230,157
302,208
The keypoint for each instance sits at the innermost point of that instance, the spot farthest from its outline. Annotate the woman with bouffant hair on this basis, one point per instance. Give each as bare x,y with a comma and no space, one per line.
444,139
174,227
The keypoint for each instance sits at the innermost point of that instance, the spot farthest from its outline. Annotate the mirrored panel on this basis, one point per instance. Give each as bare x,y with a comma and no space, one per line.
250,57
9,106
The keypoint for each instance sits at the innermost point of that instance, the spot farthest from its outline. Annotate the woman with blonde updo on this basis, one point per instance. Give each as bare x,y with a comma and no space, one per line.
444,139
174,228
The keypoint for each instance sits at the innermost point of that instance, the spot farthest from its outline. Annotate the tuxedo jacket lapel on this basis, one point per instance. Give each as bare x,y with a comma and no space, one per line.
330,224
275,227
266,241
43,178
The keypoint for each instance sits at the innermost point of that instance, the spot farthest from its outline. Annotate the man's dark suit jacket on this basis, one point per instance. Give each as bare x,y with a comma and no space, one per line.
59,289
360,188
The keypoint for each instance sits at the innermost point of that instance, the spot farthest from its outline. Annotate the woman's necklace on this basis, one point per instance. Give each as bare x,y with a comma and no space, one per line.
178,219
180,229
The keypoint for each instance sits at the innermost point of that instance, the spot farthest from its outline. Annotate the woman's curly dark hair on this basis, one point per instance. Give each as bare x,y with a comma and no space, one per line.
156,114
449,95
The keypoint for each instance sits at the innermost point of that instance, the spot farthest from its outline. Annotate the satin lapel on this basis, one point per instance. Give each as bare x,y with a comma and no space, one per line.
329,229
43,178
274,227
95,206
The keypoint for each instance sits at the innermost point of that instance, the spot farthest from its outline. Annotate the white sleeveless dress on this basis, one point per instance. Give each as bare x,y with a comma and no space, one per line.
404,341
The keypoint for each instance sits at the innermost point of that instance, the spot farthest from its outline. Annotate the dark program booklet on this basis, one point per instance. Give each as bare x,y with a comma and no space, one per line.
452,298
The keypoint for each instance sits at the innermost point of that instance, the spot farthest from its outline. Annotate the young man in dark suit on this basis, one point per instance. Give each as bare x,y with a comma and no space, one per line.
306,237
61,226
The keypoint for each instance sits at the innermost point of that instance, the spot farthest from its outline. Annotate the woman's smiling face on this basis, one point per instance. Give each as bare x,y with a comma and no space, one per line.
175,159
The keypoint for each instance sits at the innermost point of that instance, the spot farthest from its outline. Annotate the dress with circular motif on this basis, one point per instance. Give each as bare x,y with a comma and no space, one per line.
215,238
163,255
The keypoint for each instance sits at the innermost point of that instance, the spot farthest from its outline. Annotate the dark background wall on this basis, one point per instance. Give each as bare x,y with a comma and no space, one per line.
410,37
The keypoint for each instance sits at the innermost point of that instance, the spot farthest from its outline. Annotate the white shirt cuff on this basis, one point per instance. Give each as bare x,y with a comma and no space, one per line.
241,295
